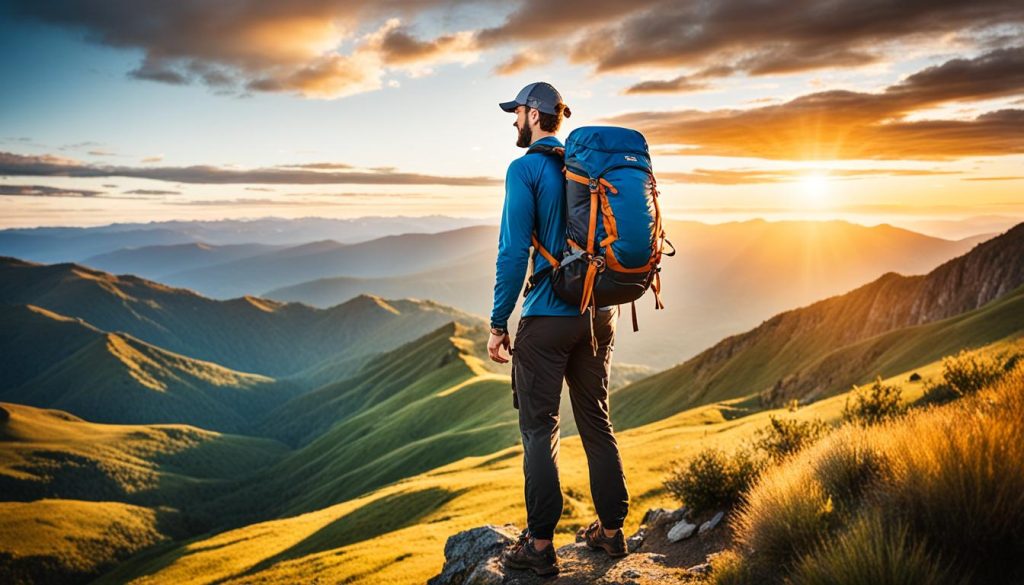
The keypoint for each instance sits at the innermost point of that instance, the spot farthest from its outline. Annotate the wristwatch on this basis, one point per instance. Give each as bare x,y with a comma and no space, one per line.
498,331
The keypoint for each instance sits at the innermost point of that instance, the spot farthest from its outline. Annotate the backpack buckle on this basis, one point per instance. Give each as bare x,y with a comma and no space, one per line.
593,185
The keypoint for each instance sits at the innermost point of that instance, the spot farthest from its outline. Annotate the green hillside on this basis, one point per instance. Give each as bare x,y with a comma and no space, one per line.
823,348
396,534
246,334
431,402
115,378
52,454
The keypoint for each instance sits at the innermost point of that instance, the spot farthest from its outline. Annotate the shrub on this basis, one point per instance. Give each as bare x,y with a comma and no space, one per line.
712,479
782,438
873,550
869,406
968,372
915,377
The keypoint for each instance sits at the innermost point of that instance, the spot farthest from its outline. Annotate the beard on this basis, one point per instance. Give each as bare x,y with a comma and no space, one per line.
525,136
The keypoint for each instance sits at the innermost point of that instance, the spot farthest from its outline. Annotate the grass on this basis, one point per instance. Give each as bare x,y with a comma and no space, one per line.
484,489
934,497
66,541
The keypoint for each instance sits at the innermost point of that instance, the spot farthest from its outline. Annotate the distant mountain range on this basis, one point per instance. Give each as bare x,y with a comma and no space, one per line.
67,244
725,278
245,334
890,323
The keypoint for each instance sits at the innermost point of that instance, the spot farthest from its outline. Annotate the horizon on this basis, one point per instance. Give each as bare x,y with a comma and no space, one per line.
296,113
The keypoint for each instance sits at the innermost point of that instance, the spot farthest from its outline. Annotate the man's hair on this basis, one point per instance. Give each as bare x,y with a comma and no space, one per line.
552,122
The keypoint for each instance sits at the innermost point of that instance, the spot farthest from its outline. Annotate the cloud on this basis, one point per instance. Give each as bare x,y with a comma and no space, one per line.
151,192
313,48
50,166
756,37
520,61
681,84
152,159
841,124
45,191
761,176
1016,178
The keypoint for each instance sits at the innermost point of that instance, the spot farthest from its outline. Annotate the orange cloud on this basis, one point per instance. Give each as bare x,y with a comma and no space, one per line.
840,124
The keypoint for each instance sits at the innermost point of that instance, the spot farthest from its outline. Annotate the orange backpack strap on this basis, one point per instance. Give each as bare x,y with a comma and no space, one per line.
543,251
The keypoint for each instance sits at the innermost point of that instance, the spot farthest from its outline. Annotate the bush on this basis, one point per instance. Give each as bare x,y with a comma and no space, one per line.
967,372
879,403
782,438
713,480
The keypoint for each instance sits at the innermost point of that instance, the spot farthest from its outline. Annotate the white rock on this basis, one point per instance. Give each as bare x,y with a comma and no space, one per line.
711,523
681,530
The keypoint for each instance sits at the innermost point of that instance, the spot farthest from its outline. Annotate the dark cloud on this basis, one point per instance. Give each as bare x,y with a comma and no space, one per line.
50,166
757,37
838,124
45,191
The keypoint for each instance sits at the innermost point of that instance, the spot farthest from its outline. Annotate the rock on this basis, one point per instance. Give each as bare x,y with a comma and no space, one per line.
699,570
681,530
631,574
711,523
654,516
633,543
471,556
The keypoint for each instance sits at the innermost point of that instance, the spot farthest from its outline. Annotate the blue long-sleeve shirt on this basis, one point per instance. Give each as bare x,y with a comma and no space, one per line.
534,200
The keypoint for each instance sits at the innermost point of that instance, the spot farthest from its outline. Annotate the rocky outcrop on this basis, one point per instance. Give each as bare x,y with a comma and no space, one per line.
472,556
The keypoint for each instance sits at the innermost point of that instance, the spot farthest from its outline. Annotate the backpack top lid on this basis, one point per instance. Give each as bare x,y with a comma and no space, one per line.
596,149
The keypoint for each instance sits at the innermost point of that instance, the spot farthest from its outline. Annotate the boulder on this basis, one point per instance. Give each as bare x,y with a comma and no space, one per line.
471,556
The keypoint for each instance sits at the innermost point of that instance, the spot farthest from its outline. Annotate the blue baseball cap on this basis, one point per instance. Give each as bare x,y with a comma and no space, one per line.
539,96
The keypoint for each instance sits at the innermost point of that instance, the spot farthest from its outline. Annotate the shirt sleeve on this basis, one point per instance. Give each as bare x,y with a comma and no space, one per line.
517,222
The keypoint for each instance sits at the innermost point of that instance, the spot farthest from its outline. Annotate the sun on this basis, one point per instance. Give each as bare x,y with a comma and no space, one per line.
815,189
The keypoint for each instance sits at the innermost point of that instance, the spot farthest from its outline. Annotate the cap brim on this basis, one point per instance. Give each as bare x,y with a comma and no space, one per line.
508,106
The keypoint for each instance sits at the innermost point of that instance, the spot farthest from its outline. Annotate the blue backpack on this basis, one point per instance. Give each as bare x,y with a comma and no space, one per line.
614,259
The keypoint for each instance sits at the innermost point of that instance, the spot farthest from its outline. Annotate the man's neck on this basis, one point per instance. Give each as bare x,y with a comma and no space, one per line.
539,135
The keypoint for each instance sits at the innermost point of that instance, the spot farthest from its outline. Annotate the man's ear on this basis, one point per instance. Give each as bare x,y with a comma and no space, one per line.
534,116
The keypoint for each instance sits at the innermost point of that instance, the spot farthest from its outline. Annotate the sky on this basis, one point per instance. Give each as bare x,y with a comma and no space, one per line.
871,111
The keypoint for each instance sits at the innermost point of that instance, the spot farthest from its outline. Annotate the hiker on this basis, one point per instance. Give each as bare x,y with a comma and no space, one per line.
554,341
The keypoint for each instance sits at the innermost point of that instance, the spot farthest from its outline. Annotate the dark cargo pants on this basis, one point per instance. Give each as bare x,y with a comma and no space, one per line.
548,349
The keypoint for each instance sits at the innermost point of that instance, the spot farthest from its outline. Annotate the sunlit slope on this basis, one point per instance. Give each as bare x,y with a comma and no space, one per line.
68,541
449,355
246,334
431,403
825,347
52,454
397,533
115,378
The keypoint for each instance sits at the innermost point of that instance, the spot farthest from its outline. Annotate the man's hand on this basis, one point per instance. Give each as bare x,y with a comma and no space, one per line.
494,345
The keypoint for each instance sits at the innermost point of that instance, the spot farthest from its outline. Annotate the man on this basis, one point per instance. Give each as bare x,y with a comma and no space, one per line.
553,342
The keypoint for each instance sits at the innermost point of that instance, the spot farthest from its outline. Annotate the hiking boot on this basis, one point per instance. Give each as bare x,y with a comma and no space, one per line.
595,539
522,554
